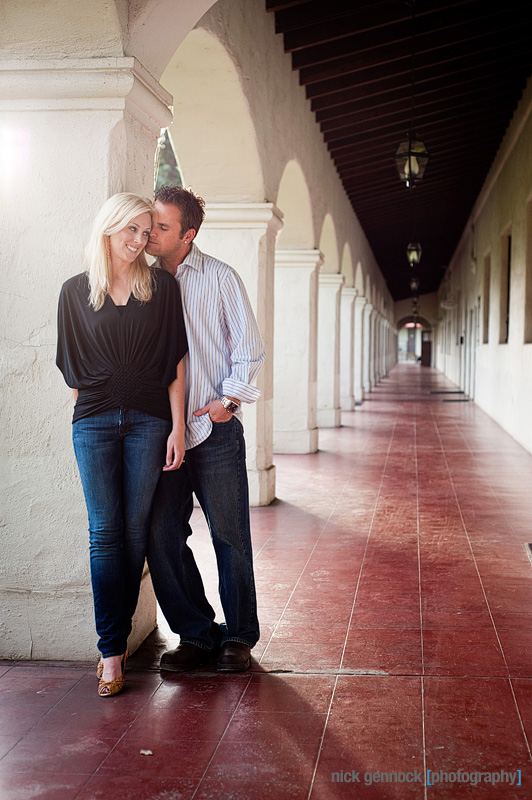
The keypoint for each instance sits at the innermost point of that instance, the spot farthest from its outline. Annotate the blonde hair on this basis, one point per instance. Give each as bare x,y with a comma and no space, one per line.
114,215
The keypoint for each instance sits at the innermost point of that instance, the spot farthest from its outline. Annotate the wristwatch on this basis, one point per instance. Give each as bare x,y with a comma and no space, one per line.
228,404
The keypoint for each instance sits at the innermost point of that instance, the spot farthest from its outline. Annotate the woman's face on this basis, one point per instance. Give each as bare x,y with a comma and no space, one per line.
128,243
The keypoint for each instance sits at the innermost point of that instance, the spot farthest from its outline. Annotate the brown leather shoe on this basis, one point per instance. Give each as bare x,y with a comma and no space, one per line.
185,657
234,657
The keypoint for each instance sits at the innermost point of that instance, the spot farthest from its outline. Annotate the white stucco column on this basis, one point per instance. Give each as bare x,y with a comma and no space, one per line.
378,347
243,235
347,348
385,346
368,308
73,132
358,356
296,351
329,412
373,347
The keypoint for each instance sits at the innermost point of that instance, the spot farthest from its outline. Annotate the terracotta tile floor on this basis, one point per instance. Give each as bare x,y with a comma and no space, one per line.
395,596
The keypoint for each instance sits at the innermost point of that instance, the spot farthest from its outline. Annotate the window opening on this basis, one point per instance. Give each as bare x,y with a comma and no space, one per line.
506,270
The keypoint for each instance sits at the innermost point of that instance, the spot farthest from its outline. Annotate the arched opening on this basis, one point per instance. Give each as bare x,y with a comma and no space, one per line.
414,340
359,279
329,246
212,132
293,198
347,266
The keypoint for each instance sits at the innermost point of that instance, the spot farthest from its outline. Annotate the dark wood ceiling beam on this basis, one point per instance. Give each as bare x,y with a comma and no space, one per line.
438,137
429,28
439,102
316,11
472,114
401,209
368,168
440,146
330,29
370,73
510,56
468,81
277,5
364,194
456,38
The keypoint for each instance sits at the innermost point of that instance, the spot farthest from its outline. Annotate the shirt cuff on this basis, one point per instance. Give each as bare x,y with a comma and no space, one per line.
242,391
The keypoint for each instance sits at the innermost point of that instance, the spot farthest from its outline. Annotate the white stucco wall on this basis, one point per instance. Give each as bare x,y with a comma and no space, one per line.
501,379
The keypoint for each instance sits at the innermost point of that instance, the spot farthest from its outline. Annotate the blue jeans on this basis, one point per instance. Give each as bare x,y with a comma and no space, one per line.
216,471
120,455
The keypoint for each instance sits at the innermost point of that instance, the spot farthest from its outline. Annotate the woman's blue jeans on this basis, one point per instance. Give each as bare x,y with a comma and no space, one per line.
120,455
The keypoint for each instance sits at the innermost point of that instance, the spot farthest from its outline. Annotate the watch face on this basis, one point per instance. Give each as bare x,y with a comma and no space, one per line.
228,404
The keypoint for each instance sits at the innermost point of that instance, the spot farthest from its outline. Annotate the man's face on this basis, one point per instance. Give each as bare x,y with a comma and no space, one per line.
167,240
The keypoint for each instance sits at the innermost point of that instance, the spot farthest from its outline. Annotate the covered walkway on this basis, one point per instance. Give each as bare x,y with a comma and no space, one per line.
395,592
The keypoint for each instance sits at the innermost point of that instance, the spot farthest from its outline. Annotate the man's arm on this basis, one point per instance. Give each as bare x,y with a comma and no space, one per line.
247,350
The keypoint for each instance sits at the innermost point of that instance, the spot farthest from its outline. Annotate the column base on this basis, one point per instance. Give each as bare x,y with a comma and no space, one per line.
62,624
305,441
329,418
261,486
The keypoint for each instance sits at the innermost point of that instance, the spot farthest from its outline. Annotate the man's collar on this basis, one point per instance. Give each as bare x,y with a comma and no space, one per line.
194,258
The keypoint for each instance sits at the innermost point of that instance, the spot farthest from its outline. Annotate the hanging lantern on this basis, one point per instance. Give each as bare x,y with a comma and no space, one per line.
413,253
414,285
411,159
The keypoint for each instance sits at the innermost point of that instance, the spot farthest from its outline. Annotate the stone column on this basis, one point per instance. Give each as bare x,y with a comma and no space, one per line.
347,348
295,420
368,308
358,358
243,235
74,132
329,412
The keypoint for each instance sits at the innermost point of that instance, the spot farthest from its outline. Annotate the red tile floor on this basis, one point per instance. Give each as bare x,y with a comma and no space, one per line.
395,593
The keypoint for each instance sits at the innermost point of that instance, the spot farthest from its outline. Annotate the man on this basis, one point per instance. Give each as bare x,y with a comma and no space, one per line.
225,354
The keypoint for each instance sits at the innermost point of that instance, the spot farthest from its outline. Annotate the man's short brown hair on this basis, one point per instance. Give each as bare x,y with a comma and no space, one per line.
191,205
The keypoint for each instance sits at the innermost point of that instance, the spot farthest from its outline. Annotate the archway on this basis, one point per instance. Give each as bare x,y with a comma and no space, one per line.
212,131
414,336
329,246
293,199
297,265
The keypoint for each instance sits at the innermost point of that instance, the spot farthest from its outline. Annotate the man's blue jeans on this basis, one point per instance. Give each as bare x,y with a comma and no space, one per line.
120,455
216,471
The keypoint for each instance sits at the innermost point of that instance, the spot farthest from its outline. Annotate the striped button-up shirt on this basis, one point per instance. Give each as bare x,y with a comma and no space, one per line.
225,350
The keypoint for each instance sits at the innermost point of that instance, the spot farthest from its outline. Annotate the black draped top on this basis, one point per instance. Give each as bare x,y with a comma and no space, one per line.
124,356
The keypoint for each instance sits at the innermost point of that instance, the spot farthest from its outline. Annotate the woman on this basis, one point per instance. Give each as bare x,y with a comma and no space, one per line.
121,340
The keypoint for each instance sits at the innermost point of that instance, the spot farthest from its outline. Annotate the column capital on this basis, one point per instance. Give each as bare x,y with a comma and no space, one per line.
360,301
84,84
368,308
257,216
300,259
349,292
333,280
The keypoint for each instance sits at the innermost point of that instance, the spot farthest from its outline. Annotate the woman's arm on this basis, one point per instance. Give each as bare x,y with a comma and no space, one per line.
75,393
175,449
